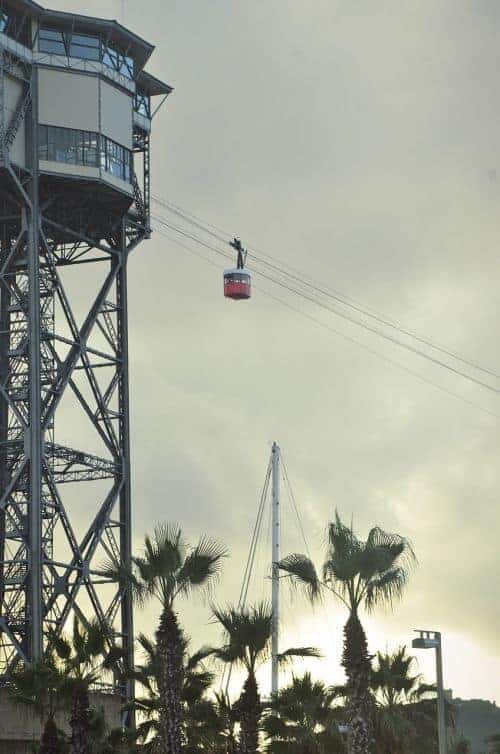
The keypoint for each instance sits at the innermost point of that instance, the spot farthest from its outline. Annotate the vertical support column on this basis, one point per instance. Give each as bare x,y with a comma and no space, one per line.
33,444
442,732
276,556
4,412
3,151
147,186
127,615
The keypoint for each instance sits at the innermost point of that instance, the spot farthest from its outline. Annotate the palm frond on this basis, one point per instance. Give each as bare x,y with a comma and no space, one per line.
386,589
113,658
198,657
202,566
147,644
117,572
294,653
59,644
380,538
166,550
78,637
302,570
342,539
247,634
94,639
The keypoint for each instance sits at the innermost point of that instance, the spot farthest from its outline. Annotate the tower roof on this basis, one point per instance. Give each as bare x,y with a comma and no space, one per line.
138,47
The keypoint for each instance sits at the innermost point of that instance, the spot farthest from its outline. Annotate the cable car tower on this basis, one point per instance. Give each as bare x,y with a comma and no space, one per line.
75,125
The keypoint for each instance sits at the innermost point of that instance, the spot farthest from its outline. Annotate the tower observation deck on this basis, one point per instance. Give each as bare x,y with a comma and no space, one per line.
75,124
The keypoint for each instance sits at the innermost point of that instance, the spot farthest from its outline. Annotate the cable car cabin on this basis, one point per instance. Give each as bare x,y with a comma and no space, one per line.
237,284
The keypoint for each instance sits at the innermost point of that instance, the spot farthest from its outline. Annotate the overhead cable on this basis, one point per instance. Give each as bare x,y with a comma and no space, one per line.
300,278
364,325
344,336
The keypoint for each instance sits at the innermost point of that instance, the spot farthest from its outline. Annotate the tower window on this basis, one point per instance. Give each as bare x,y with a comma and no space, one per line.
142,104
74,147
83,46
52,41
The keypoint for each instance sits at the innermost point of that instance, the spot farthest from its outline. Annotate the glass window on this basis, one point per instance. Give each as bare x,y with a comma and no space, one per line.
142,104
90,149
127,67
52,41
83,46
85,40
113,58
75,147
64,141
116,160
43,143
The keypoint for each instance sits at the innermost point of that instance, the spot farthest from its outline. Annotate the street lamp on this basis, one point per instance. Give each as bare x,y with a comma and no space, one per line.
432,640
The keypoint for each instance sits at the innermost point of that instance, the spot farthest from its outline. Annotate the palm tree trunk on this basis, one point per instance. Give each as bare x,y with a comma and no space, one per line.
249,708
80,722
359,708
232,746
50,738
170,655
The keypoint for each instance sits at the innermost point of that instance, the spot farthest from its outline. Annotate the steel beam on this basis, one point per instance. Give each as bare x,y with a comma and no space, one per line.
125,494
34,445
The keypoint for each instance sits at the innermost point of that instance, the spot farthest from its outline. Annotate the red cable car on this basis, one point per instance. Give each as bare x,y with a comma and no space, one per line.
238,282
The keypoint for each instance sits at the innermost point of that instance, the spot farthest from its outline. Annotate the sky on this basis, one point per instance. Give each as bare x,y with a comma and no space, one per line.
359,143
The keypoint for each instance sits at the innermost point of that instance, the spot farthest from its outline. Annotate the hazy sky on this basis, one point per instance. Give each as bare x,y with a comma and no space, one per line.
359,142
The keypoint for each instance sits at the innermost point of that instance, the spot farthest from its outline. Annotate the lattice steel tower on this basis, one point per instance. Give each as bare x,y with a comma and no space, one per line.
75,123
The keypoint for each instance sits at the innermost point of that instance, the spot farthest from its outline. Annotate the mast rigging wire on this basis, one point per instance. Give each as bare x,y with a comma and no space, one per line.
247,576
291,495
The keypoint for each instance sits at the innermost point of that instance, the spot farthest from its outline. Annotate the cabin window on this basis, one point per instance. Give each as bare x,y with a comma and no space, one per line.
115,59
86,47
52,41
142,104
115,159
75,147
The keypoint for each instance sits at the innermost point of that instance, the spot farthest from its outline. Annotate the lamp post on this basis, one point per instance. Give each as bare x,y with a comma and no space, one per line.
432,640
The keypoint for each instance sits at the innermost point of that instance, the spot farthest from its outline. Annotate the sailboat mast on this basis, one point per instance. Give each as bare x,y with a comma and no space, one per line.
276,556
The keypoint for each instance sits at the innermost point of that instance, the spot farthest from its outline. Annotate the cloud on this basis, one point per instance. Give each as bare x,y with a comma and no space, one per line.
359,143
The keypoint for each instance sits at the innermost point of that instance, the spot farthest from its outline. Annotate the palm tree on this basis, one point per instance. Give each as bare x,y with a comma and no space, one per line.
359,574
392,680
103,740
228,719
201,724
169,569
301,720
40,687
248,633
395,688
397,692
83,657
